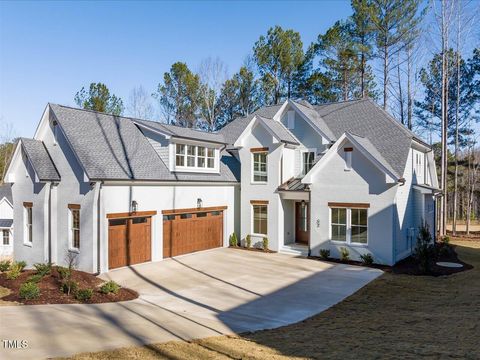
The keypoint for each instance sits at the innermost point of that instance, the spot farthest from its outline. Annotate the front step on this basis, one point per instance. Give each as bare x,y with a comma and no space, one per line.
294,249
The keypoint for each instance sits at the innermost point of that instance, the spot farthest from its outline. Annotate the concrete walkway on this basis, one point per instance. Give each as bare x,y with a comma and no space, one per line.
211,293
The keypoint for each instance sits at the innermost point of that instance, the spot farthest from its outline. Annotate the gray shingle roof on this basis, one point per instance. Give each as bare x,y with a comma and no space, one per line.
317,120
6,192
40,159
113,148
367,145
279,131
6,223
366,119
181,132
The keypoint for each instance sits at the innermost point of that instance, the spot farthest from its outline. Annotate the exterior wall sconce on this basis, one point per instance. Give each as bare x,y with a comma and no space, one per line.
303,204
199,203
134,206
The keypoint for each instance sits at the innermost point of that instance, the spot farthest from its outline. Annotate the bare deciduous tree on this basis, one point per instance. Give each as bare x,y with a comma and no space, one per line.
213,73
139,104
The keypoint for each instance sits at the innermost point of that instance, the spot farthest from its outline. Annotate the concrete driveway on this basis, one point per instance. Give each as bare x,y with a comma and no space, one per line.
210,293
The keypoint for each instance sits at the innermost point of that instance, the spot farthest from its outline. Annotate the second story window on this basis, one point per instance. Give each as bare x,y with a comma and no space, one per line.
308,159
194,157
260,167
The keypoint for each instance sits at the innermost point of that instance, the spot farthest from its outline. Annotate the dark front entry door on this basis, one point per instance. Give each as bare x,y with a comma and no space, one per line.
302,223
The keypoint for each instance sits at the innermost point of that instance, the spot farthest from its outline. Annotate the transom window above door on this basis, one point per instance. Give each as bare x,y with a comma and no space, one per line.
195,157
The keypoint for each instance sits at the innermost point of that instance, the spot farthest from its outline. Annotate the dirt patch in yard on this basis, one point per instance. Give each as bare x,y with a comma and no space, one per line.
50,289
396,316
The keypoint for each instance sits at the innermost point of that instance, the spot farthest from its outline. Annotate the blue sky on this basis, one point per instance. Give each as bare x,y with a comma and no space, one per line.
49,50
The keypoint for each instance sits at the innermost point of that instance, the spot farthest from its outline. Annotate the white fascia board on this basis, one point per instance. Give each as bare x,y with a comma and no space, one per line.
308,178
152,129
245,132
307,119
185,141
4,199
43,121
9,176
167,183
280,111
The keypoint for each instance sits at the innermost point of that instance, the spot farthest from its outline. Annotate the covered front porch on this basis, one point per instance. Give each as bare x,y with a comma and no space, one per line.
295,200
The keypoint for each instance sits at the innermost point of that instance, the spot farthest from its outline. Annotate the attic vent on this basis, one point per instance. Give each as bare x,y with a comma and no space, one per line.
291,120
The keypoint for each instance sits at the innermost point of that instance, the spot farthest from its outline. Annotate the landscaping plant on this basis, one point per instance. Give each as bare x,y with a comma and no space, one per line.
248,241
367,259
424,252
265,243
43,269
84,294
35,278
21,264
324,254
344,254
233,240
29,291
110,287
69,287
5,265
15,270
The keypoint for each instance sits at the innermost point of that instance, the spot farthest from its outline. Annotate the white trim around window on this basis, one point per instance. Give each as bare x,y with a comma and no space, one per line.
74,228
259,167
349,223
259,219
195,158
311,159
28,225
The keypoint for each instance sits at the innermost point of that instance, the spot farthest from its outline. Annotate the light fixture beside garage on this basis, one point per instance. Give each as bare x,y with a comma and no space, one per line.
134,206
199,203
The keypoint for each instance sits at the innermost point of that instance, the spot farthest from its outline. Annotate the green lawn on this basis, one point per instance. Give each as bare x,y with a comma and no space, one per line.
393,317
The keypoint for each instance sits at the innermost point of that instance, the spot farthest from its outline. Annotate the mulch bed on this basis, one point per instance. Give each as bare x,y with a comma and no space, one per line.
252,249
409,266
50,292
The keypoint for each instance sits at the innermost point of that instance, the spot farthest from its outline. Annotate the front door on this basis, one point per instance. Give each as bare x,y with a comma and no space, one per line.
302,223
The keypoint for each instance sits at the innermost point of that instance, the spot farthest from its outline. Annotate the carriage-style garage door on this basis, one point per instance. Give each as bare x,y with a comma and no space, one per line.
189,230
129,239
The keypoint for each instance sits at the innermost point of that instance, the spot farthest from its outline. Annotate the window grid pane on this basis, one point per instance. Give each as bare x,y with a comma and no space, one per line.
260,167
339,224
260,219
6,237
75,218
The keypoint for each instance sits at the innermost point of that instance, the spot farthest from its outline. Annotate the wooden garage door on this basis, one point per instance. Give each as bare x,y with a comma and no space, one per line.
189,230
129,241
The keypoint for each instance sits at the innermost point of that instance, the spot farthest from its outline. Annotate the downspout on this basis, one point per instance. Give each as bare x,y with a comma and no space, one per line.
310,220
98,188
50,223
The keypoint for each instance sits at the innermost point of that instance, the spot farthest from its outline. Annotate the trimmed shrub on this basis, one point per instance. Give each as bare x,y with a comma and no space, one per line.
424,252
233,240
43,269
29,291
367,259
15,270
344,254
5,265
324,254
64,272
248,241
21,264
84,294
265,243
69,287
35,278
110,287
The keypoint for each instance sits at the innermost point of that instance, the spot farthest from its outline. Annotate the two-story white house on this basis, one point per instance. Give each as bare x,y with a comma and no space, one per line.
119,191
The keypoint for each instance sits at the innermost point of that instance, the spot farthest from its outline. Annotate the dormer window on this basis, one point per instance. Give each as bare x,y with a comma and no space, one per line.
190,157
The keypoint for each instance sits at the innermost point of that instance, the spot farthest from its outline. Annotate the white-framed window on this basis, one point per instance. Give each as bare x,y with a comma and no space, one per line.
419,166
6,237
74,224
260,167
349,225
308,159
28,223
260,219
291,120
194,157
348,158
